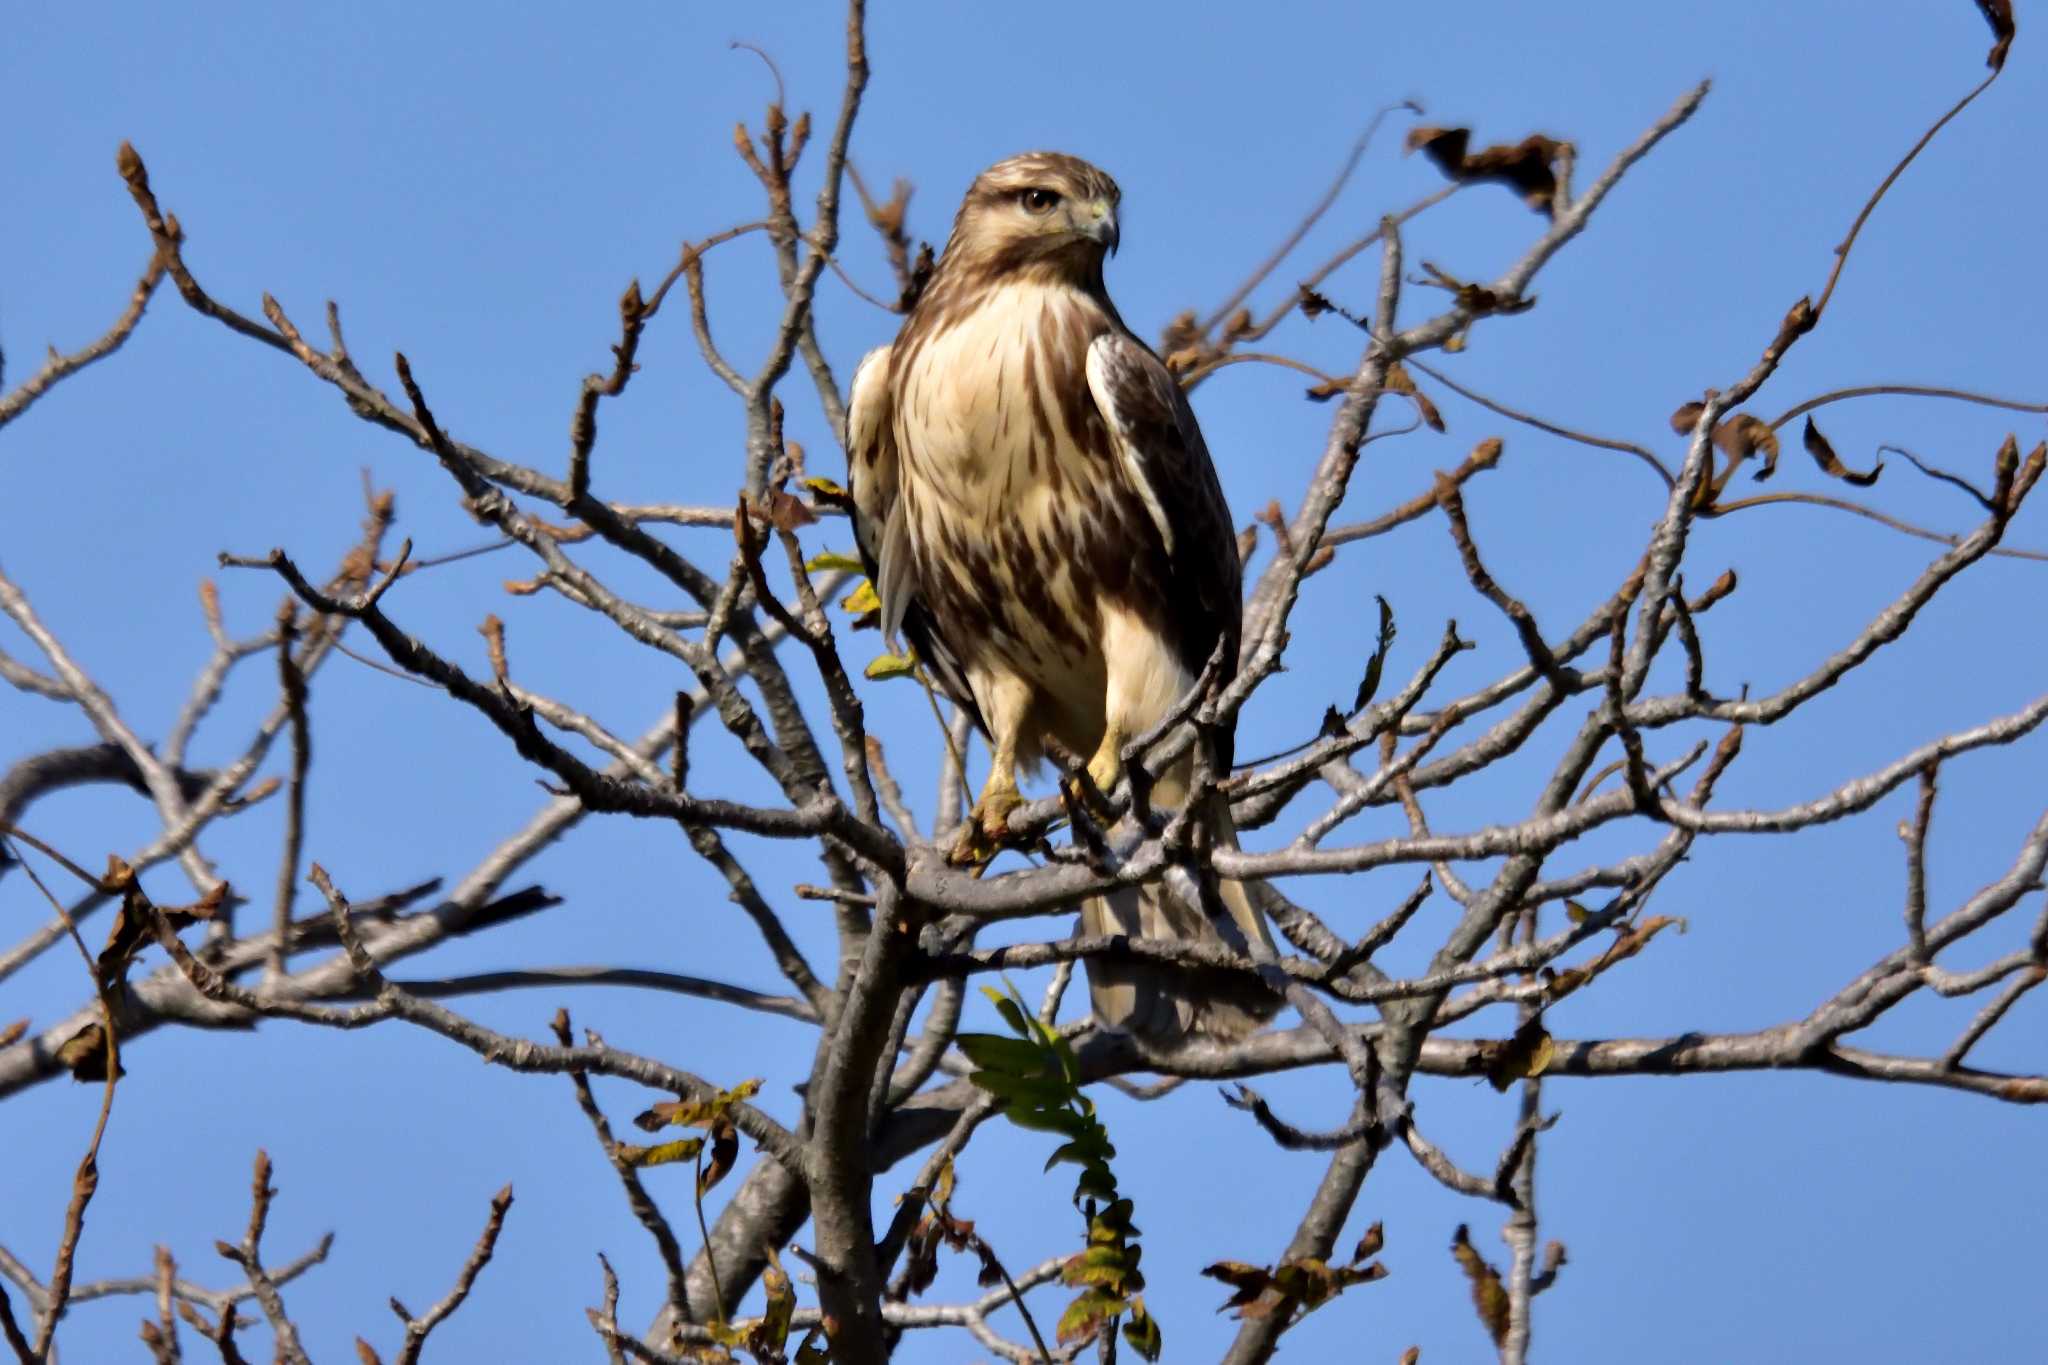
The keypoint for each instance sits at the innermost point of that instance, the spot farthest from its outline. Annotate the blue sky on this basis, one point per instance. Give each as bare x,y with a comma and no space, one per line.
475,186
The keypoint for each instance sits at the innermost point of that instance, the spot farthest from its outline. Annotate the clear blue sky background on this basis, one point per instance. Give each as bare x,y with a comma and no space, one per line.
476,184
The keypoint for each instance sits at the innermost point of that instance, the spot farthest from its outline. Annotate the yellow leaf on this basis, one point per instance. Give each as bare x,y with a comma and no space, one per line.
861,600
831,560
888,666
661,1153
703,1113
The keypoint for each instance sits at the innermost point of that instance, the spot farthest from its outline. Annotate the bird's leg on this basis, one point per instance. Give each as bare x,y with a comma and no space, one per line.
1143,679
999,796
1106,767
1004,704
988,823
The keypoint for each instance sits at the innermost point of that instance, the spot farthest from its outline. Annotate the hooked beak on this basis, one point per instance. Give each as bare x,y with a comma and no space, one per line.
1102,225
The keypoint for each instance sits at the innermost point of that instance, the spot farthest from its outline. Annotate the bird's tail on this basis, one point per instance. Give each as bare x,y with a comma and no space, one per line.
1166,1004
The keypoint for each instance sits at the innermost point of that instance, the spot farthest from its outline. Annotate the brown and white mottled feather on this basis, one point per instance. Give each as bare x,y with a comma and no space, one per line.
1042,521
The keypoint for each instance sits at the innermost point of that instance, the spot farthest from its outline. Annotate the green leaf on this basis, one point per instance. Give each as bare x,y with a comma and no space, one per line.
1142,1332
1091,1146
830,560
1070,1065
1112,1223
1032,1092
993,1052
1113,1266
1086,1313
1013,1013
1095,1181
1063,1121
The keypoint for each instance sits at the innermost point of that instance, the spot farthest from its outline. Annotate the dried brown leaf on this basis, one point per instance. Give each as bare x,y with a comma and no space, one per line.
85,1053
1742,436
1180,334
1369,1245
1523,1056
1248,1281
725,1149
1400,381
1489,1295
1998,13
1528,167
1716,590
786,511
1830,463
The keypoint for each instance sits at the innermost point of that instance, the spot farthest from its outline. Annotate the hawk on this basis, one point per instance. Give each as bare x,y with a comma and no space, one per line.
1040,518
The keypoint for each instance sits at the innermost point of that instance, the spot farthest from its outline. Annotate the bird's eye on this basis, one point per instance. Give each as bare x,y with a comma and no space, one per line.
1038,200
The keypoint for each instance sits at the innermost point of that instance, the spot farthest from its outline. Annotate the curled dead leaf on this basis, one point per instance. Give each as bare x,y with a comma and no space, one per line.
1401,382
1523,1056
1830,464
725,1149
1997,13
85,1054
786,511
1528,167
1489,1295
1716,590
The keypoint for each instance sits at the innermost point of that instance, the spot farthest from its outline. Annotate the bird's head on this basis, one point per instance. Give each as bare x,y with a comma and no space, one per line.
1042,211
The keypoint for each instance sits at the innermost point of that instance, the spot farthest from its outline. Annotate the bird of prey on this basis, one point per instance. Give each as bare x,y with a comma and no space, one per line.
1038,513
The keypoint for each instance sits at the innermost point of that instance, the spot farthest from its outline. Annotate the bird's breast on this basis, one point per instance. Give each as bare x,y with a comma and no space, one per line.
1006,479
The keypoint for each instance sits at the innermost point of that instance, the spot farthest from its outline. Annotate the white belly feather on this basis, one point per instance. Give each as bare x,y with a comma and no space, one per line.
978,459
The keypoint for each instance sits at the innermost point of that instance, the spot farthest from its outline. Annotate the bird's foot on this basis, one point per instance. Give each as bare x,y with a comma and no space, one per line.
1105,770
1084,792
987,828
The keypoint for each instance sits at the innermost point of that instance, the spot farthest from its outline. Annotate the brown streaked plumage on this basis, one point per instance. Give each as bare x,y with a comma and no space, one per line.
1040,516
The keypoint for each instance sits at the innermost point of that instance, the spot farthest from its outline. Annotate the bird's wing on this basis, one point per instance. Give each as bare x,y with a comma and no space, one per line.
881,529
1160,452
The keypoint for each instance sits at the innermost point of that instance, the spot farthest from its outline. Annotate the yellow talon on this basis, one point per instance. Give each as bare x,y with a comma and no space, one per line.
1106,769
987,825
